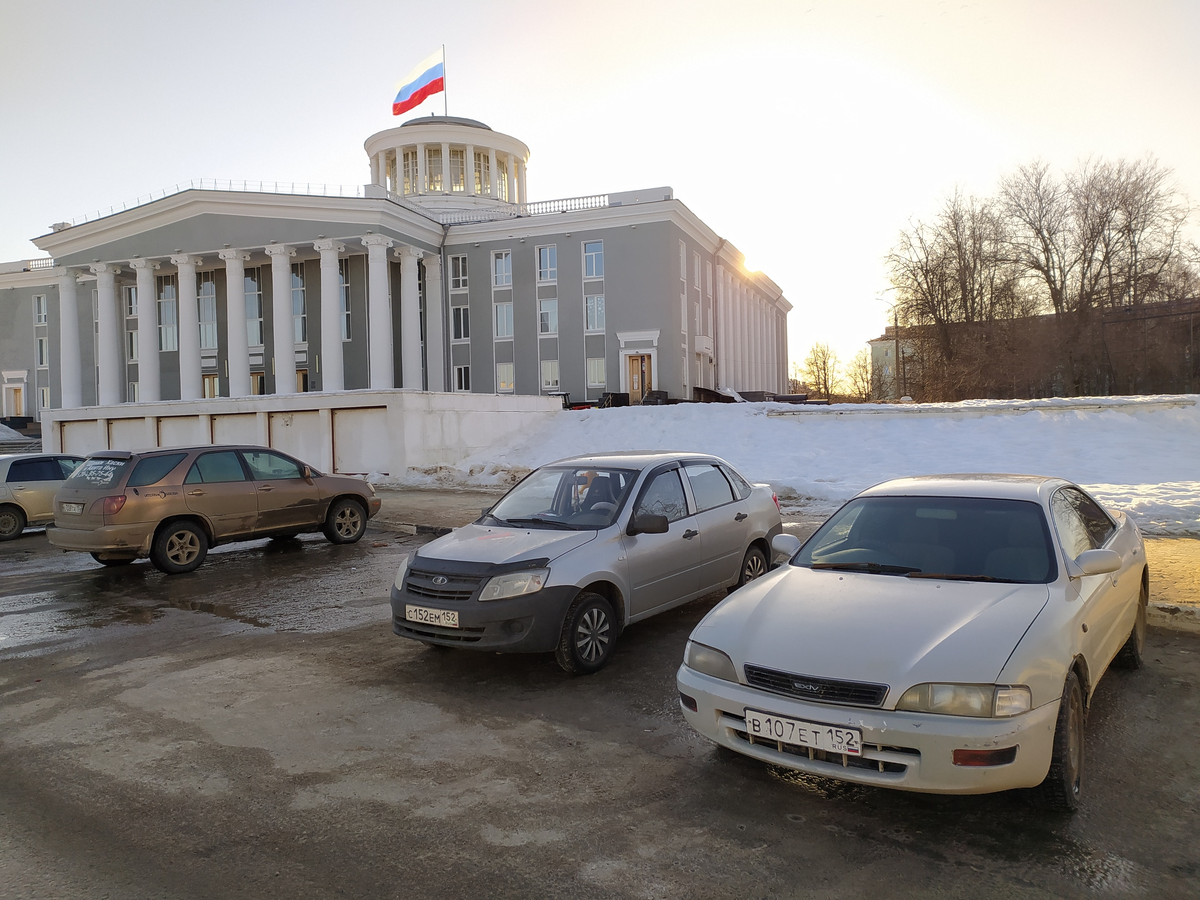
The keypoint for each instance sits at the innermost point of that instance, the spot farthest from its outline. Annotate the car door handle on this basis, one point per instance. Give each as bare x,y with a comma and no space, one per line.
197,493
689,534
740,516
266,487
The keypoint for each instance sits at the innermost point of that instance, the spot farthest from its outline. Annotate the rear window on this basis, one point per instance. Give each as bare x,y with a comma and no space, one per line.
154,468
98,473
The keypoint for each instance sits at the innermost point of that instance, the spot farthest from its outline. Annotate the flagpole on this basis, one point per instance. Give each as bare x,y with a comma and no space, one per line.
445,97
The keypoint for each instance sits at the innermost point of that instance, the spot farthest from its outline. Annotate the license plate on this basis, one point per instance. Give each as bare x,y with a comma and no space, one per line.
769,727
75,509
447,618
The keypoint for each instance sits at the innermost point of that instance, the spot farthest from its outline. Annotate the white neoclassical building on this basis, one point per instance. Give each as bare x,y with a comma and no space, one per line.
438,275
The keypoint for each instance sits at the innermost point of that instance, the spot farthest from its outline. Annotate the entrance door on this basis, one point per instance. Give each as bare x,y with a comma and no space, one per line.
641,378
15,401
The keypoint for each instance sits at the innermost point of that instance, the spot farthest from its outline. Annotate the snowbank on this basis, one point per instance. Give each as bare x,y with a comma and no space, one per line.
1138,454
7,434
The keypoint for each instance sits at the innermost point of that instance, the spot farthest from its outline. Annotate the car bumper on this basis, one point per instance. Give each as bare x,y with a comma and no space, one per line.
530,624
904,750
374,504
133,539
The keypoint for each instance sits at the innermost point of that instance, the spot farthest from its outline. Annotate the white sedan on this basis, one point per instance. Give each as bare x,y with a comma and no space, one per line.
940,634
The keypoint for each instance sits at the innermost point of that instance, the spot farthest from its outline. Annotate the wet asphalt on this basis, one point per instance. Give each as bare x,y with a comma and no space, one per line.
254,729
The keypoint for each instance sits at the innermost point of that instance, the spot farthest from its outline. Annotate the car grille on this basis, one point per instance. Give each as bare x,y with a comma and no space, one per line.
423,632
845,760
819,690
457,588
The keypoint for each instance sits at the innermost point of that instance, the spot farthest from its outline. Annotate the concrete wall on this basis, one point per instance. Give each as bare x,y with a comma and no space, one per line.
356,432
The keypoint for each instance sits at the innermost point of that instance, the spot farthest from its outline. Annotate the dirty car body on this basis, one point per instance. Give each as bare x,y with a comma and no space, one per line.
28,483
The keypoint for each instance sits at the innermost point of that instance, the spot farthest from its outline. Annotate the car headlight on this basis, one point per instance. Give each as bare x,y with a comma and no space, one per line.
709,661
515,584
983,701
400,573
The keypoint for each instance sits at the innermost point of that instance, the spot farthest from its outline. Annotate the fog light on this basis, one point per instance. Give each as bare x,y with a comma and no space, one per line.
985,757
689,702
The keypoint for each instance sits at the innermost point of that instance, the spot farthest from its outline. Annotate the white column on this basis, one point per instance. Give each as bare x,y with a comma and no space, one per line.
375,179
333,376
521,196
512,179
109,321
434,313
191,385
719,338
470,173
493,184
744,337
738,382
410,318
379,313
69,369
236,339
421,184
447,187
283,344
149,376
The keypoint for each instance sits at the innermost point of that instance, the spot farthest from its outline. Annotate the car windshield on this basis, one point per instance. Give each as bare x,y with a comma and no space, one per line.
98,473
953,538
572,498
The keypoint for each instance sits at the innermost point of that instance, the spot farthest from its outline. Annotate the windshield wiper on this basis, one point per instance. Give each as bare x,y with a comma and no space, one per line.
538,520
872,567
943,576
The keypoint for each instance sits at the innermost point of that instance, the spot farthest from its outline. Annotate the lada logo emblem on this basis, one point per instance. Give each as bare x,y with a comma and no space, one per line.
440,580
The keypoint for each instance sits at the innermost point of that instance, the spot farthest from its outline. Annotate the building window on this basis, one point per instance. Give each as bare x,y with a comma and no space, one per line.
458,170
502,268
43,352
593,259
483,173
344,293
211,388
206,306
299,313
410,171
131,346
44,396
462,378
168,313
696,310
461,316
682,261
549,374
708,278
433,168
504,376
131,301
696,271
302,381
252,286
258,383
547,263
504,320
548,317
502,179
595,371
594,312
39,309
458,273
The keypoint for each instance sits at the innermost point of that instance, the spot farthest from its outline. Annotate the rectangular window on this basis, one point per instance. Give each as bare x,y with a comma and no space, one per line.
39,309
168,312
502,179
43,352
344,293
252,287
547,263
299,313
708,278
548,317
44,396
458,170
462,378
504,320
501,268
696,311
595,371
433,168
131,300
593,259
549,374
206,306
682,261
131,392
458,273
594,312
461,316
504,376
696,270
210,387
131,346
258,383
483,173
410,171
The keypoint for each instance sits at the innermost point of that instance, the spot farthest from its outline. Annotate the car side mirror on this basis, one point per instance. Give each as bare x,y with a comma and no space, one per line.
648,523
785,545
306,473
1098,562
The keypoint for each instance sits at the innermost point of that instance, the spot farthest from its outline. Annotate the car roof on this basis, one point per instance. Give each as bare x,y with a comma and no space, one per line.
970,484
150,451
13,457
633,459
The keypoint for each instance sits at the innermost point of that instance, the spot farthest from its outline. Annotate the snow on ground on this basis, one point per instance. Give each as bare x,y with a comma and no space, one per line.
7,434
1138,454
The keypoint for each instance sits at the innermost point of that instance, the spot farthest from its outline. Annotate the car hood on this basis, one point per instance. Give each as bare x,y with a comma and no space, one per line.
488,544
877,628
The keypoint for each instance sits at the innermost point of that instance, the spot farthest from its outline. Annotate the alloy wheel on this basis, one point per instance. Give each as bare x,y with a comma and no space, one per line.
182,547
348,521
755,567
1074,755
591,635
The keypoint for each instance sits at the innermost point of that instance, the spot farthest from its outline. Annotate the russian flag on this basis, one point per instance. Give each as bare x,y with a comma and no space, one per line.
428,78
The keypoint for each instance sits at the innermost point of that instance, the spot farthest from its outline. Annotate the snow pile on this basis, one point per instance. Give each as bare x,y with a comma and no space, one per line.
1137,454
7,434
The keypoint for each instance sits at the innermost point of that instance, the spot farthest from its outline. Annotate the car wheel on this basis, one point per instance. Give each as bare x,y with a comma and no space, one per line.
346,521
588,634
179,547
754,565
113,560
1130,656
1061,789
12,522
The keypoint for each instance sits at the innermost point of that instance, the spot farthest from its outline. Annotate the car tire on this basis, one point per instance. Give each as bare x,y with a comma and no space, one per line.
179,547
346,521
588,634
12,522
1060,790
112,560
1132,654
754,565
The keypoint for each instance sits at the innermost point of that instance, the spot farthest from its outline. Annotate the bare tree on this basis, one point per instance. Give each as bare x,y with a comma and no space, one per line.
821,371
858,376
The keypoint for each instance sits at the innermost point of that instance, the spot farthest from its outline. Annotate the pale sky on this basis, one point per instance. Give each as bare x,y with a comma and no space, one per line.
807,133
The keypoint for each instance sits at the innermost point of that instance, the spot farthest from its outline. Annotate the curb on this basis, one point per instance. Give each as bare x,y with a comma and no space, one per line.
1177,618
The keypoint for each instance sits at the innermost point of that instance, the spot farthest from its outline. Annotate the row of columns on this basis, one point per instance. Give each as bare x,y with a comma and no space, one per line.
515,166
379,323
749,344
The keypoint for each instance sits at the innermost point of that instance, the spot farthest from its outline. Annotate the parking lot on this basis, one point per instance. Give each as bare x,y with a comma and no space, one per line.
254,729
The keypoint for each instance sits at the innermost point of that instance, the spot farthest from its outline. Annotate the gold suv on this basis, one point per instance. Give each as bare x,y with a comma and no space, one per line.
173,504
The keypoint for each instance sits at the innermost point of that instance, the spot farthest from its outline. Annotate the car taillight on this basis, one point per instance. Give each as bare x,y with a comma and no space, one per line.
775,497
112,505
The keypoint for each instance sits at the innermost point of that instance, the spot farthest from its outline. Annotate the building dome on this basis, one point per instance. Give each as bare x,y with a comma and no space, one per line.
447,163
